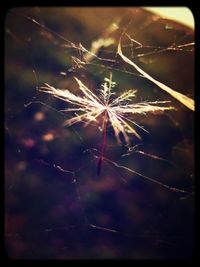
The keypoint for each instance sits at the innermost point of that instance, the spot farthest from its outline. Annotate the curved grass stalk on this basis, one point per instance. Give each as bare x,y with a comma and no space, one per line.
185,100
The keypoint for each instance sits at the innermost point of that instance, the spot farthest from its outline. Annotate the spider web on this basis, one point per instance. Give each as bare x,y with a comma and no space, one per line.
56,207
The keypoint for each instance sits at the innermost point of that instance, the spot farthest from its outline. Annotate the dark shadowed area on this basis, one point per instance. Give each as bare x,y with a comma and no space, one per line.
56,206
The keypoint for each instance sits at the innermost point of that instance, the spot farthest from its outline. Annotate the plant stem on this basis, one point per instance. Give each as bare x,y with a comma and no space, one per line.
105,121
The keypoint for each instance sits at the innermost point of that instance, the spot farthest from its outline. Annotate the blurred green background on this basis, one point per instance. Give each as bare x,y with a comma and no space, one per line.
52,214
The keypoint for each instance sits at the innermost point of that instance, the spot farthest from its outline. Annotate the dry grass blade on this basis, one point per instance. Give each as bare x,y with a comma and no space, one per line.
185,100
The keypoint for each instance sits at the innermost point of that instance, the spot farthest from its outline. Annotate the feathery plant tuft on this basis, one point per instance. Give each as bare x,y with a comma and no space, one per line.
116,109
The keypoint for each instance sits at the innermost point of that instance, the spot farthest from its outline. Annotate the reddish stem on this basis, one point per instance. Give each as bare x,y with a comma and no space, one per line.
104,143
